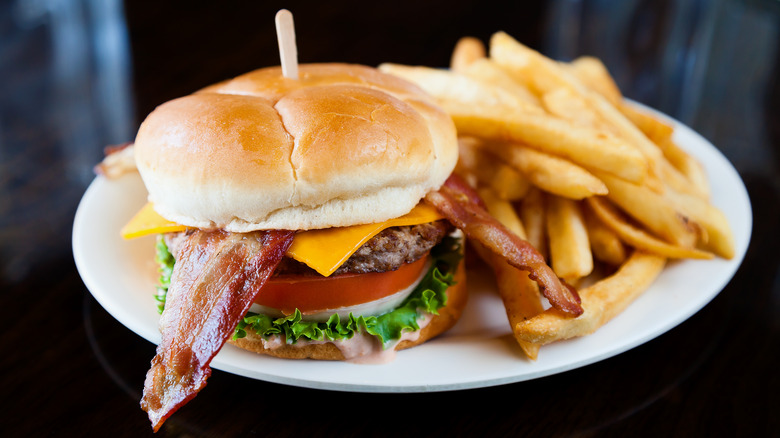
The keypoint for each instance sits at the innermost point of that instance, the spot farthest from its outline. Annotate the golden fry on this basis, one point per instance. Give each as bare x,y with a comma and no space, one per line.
487,71
570,255
605,244
589,148
602,301
467,51
688,166
592,176
550,173
531,212
542,74
594,75
503,211
489,170
637,237
455,90
486,110
653,211
720,238
563,103
657,130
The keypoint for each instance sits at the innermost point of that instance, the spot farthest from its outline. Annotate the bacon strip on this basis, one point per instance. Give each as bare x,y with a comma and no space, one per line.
215,280
462,206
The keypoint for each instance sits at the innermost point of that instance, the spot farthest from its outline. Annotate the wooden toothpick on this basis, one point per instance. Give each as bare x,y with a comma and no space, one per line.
288,52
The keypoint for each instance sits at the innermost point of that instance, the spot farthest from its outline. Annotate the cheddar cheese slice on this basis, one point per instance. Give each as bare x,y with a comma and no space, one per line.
147,221
322,250
327,249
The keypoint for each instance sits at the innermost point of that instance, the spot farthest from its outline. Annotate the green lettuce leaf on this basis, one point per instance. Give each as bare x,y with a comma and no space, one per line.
165,261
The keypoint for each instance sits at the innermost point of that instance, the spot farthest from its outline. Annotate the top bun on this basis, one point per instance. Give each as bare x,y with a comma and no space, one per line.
343,145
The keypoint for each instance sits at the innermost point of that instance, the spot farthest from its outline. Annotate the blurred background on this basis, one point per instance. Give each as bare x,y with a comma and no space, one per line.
79,75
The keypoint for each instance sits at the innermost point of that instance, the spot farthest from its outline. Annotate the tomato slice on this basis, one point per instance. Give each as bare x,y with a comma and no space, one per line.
311,294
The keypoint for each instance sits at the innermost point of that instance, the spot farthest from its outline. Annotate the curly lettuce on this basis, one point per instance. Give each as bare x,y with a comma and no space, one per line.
165,262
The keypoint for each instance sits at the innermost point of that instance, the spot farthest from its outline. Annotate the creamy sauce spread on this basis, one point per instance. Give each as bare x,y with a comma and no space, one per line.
361,348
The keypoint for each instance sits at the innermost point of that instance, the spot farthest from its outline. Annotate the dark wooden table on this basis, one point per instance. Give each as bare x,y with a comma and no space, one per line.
76,76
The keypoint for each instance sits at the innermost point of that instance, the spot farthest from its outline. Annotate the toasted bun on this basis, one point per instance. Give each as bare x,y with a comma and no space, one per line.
447,317
343,145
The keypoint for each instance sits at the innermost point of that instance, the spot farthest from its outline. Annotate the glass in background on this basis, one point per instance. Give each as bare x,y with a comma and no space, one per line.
65,82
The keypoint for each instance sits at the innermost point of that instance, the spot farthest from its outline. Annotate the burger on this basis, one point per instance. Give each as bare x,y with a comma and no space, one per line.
337,160
312,218
339,148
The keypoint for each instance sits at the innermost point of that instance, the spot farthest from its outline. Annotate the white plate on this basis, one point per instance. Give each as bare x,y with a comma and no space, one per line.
479,351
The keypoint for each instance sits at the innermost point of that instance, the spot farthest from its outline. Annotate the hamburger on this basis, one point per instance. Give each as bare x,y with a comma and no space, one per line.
343,146
312,218
340,160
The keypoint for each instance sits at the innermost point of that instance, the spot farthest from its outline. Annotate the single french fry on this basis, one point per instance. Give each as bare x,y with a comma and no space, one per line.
487,71
503,211
531,211
542,74
467,51
453,90
490,170
564,103
639,238
570,254
602,301
548,172
653,211
720,238
654,128
688,166
594,75
605,243
676,180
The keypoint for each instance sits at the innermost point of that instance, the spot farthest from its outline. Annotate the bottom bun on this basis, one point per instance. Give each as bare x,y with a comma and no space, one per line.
457,296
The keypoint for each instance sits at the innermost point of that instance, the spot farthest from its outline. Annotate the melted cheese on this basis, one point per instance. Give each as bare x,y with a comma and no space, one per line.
146,222
322,250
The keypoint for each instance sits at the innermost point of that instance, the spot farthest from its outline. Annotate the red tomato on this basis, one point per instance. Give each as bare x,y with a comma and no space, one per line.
315,293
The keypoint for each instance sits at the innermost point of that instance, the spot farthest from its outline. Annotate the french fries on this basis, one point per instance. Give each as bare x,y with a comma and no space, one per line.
596,183
548,172
602,301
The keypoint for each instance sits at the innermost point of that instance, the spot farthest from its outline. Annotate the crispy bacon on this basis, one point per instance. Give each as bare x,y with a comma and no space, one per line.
215,280
462,206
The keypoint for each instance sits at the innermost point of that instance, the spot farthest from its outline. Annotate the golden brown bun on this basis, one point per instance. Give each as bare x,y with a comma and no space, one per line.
343,145
457,296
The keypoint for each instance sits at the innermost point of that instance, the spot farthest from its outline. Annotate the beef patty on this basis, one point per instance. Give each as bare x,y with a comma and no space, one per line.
386,251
